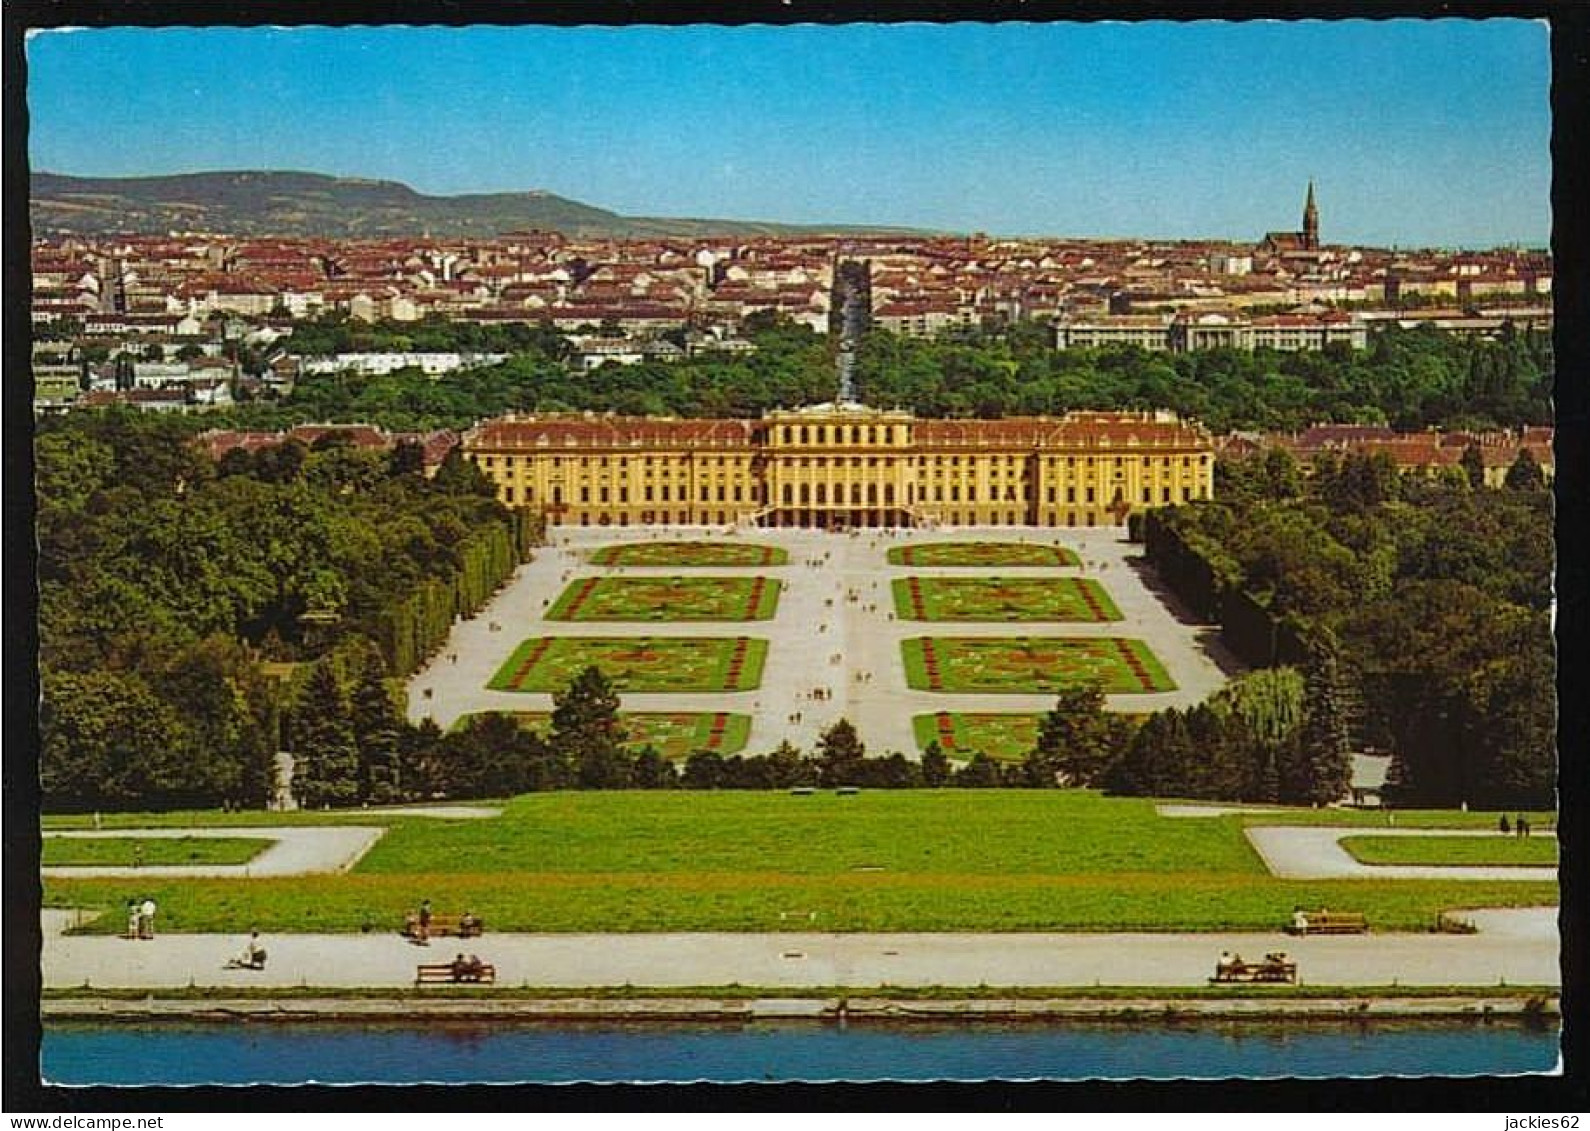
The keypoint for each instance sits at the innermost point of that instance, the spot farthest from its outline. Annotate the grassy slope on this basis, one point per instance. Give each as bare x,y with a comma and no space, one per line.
1495,851
919,860
119,851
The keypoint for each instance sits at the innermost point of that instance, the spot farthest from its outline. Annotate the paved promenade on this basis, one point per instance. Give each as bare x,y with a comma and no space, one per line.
1516,947
816,620
1308,852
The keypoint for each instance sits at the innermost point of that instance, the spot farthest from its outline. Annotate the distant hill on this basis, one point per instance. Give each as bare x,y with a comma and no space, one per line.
257,203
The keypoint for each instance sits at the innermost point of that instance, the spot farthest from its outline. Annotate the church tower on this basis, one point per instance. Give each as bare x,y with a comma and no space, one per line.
1310,221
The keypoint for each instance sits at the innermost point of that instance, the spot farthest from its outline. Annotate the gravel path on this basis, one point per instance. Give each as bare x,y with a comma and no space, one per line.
297,850
1515,946
815,622
1304,852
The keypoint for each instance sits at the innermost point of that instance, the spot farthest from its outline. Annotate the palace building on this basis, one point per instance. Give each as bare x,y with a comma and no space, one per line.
839,466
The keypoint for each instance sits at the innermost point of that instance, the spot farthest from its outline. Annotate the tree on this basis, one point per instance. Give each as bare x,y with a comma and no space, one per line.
935,766
788,767
1073,745
1525,473
586,730
839,754
325,751
1473,465
1326,745
650,770
703,770
377,728
982,772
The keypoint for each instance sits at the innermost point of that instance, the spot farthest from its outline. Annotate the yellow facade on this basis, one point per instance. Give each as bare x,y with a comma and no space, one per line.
842,466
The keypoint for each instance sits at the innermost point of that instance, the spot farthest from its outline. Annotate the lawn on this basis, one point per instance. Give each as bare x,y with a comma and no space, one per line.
931,860
666,599
1031,664
689,554
1002,599
982,554
119,852
673,734
1004,737
636,663
1490,851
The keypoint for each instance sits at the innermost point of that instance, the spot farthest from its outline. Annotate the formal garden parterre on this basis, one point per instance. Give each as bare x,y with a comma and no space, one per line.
674,734
636,663
1032,664
1003,599
987,554
667,599
689,554
1003,736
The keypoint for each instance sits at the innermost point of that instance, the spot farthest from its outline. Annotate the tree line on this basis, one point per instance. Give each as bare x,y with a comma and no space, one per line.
1409,379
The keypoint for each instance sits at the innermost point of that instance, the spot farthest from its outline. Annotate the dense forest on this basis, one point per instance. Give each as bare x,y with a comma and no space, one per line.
1418,609
1409,379
171,586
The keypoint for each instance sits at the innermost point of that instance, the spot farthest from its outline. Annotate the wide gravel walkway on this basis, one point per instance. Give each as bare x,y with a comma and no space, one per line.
1312,852
1514,946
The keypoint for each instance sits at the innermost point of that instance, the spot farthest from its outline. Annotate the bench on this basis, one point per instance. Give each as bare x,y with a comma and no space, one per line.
1270,970
485,974
443,925
1329,923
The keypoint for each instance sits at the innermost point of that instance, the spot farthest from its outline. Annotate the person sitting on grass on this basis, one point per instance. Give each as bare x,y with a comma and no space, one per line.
253,956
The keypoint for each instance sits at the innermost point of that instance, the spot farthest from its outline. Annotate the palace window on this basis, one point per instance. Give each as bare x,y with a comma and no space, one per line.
585,494
1090,499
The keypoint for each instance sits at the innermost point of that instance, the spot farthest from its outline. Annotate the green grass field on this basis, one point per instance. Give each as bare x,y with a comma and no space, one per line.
928,860
638,663
982,554
1004,737
1031,664
673,734
689,554
666,599
1491,851
120,852
1002,599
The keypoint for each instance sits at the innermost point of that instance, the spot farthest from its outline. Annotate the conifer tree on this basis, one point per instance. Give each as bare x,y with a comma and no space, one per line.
935,766
1074,746
839,754
325,755
587,733
378,731
1326,741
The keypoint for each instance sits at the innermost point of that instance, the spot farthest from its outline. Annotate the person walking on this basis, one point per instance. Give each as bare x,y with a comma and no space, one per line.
147,920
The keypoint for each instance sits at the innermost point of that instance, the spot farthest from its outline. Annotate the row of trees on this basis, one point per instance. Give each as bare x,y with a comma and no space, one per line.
1408,378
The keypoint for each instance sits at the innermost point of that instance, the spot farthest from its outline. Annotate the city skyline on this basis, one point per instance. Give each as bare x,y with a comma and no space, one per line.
1433,133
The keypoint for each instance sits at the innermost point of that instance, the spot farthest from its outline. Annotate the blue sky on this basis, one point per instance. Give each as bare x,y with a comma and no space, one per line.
1416,132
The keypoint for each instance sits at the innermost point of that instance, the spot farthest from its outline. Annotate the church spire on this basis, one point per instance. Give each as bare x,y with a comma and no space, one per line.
1310,220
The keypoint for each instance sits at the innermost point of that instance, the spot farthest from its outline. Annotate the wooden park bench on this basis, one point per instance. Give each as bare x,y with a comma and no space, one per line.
1329,923
444,925
485,974
1274,968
